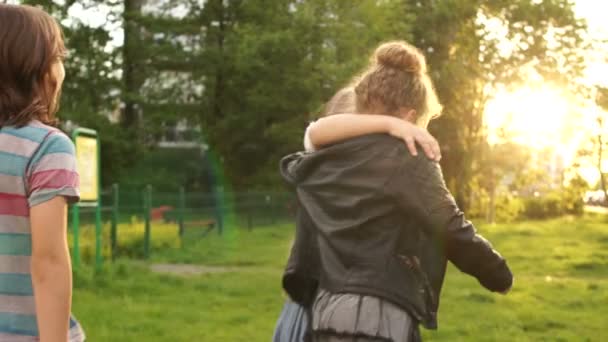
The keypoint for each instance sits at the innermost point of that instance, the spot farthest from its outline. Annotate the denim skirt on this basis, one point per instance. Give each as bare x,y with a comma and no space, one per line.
292,324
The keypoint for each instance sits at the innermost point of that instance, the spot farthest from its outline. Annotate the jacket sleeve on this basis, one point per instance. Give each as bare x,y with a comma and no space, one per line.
288,167
419,189
301,276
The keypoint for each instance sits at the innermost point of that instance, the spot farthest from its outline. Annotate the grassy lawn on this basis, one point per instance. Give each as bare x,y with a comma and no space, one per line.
560,294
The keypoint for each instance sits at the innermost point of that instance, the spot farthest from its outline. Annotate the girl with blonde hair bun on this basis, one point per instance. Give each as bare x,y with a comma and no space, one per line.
293,322
376,224
395,84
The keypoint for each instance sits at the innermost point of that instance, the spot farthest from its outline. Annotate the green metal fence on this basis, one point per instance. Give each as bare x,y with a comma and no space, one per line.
138,222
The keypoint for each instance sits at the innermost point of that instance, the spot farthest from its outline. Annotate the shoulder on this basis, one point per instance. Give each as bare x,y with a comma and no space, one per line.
58,142
34,132
55,144
417,169
55,141
396,149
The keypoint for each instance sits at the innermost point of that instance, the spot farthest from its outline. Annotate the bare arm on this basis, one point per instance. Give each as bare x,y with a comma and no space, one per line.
51,269
335,128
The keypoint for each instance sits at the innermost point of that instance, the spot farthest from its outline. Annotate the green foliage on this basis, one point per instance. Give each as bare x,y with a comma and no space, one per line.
251,73
467,62
546,206
282,61
509,208
130,242
168,170
573,195
565,201
531,194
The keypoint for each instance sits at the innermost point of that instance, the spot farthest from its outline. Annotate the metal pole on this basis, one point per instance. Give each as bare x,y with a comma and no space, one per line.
147,208
218,198
98,237
115,218
273,209
98,226
181,211
249,211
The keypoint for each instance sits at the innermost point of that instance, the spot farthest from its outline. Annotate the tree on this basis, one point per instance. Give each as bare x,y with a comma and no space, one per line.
133,75
469,58
602,101
272,64
252,73
91,91
498,162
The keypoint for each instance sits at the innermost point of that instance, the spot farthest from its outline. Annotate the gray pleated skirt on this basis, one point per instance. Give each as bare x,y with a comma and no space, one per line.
352,317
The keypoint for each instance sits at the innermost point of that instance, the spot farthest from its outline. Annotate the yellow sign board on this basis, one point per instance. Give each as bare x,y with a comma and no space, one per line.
88,167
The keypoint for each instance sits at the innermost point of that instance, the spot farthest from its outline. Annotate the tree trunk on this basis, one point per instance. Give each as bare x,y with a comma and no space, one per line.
219,71
130,118
492,206
599,162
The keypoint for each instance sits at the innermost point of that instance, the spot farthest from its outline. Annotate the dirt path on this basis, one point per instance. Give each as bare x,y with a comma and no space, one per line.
190,270
596,209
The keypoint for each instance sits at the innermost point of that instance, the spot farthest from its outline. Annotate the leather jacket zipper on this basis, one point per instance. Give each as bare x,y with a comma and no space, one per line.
413,263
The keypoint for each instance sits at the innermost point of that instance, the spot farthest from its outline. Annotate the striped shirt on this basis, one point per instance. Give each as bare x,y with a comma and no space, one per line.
37,164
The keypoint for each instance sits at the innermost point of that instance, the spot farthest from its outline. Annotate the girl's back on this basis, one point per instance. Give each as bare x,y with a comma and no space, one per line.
38,180
37,163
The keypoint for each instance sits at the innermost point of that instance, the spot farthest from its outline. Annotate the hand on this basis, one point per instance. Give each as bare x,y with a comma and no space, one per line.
505,292
508,289
413,134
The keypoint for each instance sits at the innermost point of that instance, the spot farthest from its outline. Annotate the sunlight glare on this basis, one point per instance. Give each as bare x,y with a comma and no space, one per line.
532,117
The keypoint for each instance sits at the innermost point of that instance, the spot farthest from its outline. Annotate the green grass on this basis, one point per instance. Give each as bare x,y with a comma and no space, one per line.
560,293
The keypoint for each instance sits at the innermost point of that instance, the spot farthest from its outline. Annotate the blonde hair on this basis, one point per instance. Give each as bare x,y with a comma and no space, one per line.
343,102
397,78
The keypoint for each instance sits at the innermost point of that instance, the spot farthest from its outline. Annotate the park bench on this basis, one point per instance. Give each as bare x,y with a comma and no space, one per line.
168,214
159,214
208,225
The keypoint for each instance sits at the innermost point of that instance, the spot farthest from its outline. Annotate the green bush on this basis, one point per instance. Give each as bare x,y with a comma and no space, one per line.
542,207
565,201
130,240
508,208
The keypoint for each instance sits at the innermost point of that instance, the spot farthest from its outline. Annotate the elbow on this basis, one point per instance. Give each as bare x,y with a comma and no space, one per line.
47,266
313,138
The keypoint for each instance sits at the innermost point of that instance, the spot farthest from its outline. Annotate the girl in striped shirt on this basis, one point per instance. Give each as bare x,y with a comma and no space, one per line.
38,180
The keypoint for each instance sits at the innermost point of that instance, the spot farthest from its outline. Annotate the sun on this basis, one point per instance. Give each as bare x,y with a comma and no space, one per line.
548,122
534,117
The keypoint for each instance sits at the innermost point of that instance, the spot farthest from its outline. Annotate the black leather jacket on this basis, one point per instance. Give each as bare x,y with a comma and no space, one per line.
375,220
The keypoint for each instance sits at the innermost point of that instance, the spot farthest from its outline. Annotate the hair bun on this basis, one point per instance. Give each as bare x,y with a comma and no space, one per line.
402,56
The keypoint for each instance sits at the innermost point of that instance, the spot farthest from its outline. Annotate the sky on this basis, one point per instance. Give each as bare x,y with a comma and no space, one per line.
594,11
